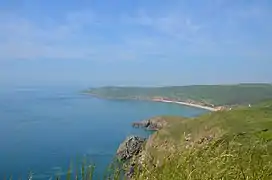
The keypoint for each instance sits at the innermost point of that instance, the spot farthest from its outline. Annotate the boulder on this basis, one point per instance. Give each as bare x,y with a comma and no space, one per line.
130,147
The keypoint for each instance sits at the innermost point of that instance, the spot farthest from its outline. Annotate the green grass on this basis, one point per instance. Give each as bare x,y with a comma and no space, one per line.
256,118
225,158
215,94
241,147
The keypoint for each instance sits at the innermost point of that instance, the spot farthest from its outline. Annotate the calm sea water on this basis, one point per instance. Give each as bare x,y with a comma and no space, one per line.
45,130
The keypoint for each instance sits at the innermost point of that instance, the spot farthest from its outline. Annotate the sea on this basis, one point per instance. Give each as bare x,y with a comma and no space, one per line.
44,131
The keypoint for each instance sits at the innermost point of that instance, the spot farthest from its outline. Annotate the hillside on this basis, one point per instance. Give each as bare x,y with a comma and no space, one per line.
213,94
233,144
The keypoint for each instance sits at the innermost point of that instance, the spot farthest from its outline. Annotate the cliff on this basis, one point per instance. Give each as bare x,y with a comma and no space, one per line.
153,124
229,144
218,95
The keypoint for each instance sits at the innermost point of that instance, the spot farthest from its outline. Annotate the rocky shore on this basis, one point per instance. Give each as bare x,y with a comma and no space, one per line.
132,152
132,146
153,124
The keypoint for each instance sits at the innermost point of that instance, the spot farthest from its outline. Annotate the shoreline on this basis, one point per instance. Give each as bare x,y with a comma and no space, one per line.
159,100
187,104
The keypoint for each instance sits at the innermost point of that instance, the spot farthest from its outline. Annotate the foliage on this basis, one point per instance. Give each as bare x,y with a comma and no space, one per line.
241,146
214,94
221,159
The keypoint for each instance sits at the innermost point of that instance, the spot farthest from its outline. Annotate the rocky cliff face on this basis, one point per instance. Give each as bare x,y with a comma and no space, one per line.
134,151
129,153
130,147
153,124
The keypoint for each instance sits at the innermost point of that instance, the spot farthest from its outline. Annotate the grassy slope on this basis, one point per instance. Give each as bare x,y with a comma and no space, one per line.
216,94
241,147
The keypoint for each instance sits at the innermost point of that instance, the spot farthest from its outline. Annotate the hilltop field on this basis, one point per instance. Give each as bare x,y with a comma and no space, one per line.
233,144
217,95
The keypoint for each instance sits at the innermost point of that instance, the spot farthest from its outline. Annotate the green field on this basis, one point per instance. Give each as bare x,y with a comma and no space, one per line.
240,146
214,94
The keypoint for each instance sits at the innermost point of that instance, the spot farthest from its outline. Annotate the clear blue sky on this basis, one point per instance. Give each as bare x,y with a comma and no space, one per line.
129,42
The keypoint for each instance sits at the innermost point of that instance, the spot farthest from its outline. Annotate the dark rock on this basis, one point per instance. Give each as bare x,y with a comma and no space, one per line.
130,147
152,124
143,124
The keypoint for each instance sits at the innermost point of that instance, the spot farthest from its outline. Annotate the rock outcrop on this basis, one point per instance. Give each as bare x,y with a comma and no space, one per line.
153,124
132,152
132,146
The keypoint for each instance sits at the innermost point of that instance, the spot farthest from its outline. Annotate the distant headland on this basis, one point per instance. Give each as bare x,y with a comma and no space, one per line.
209,97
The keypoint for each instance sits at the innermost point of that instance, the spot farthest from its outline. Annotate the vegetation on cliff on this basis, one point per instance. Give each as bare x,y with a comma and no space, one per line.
233,144
213,94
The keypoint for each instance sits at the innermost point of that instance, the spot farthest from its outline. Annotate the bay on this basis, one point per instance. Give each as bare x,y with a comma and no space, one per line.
45,130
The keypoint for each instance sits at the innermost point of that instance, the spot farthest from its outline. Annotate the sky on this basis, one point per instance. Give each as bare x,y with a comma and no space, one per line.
135,42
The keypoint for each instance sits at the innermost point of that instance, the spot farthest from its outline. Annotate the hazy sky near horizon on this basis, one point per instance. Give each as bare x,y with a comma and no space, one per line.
135,42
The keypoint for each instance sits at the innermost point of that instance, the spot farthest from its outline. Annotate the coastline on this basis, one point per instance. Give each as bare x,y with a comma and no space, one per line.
158,100
187,104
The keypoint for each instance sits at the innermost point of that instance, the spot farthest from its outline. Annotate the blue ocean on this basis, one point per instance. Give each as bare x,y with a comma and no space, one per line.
45,130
